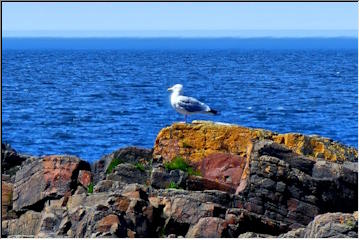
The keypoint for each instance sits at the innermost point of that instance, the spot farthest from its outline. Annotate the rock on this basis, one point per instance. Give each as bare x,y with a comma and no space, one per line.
295,233
27,224
184,210
317,147
241,221
200,139
6,200
328,225
292,188
10,159
333,225
128,173
4,228
108,222
254,235
161,178
253,183
48,178
196,183
84,178
224,168
64,226
131,155
103,186
208,227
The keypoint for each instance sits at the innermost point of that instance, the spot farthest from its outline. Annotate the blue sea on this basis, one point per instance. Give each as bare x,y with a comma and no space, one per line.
89,101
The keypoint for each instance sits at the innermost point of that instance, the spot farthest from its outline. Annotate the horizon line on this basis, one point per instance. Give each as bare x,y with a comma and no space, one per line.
180,37
228,33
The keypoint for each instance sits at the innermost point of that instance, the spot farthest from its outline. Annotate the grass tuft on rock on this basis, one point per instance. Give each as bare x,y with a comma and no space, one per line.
90,188
181,164
113,164
173,185
140,166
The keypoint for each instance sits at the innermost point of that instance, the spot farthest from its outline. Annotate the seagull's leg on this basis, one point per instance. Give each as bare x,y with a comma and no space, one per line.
185,118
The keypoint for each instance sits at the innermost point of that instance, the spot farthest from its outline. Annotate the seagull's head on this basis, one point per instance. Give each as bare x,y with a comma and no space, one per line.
176,88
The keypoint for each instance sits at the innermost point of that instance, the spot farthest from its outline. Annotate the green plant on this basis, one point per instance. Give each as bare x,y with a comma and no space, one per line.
113,164
162,232
179,163
140,166
173,185
193,172
90,188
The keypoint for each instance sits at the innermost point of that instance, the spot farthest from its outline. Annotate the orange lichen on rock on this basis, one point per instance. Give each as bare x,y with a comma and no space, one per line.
204,138
198,140
317,147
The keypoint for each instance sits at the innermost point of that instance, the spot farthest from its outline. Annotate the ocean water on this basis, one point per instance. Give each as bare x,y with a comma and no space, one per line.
91,102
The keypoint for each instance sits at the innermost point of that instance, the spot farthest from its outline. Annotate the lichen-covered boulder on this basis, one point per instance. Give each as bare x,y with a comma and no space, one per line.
45,178
200,139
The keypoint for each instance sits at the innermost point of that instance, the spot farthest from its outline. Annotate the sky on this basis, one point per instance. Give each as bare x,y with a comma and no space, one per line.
117,19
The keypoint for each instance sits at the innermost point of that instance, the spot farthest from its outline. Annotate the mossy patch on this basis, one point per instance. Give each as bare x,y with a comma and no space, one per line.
181,164
350,223
113,164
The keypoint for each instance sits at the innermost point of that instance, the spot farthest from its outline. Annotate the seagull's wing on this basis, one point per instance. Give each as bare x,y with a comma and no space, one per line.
192,105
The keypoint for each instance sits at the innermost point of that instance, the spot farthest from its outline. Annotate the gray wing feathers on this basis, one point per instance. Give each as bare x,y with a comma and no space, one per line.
192,105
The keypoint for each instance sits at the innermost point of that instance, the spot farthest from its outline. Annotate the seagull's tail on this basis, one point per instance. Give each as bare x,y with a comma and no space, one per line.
213,111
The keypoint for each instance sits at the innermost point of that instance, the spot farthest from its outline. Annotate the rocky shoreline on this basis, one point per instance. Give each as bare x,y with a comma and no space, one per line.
202,179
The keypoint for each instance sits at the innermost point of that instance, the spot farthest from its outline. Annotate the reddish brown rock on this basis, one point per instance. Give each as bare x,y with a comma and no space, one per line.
48,177
6,199
195,183
223,168
122,203
106,223
208,227
84,178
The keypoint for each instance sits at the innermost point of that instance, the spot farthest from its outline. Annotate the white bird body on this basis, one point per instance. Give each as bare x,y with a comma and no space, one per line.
187,105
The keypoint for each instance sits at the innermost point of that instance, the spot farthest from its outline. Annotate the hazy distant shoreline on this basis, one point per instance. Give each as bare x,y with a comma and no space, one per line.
180,43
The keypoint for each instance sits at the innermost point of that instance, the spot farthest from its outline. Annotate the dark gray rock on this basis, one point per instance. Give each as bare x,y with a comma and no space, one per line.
293,189
161,178
131,155
128,173
11,160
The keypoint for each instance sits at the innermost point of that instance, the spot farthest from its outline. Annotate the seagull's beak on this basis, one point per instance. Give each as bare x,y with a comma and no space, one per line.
169,89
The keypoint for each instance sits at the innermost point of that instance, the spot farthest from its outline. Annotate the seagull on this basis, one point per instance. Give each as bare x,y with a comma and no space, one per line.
187,105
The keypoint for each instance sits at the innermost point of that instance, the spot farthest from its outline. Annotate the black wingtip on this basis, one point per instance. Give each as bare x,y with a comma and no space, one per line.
213,111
